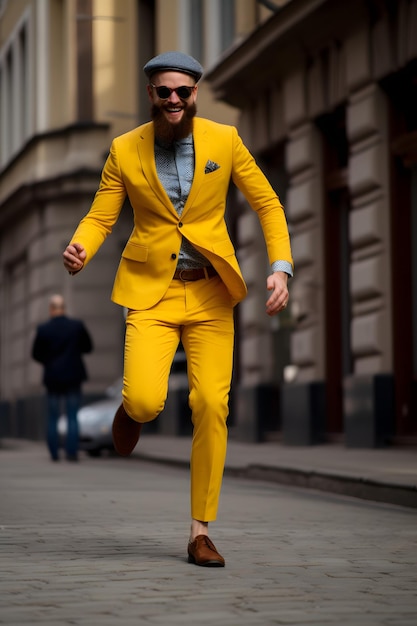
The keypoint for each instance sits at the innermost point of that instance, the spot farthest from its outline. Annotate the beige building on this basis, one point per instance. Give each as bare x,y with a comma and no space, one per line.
70,80
324,93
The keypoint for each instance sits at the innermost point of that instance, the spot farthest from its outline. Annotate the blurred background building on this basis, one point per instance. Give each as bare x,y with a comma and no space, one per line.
324,93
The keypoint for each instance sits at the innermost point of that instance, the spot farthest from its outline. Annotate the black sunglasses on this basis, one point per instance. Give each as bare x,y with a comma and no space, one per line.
183,92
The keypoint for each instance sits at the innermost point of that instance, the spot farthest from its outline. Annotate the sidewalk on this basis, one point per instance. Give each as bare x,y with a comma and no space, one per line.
384,475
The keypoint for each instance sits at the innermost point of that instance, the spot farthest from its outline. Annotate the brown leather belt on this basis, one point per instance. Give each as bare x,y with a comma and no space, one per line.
197,274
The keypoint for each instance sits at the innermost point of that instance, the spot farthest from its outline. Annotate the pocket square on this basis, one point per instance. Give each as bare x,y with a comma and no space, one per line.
211,166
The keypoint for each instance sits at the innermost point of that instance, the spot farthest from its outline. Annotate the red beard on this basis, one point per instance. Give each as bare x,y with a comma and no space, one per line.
167,132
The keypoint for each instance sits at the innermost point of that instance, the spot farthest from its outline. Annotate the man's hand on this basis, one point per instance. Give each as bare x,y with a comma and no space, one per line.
277,283
74,257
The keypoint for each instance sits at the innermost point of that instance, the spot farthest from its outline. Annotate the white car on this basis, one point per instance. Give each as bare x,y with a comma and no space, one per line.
95,422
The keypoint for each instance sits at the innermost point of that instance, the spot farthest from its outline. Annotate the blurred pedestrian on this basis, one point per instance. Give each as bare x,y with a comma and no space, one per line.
178,276
59,345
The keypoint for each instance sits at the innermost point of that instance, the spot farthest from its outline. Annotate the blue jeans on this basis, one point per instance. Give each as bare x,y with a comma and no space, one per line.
72,401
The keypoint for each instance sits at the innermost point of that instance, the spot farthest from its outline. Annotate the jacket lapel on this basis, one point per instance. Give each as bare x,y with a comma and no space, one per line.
146,154
200,155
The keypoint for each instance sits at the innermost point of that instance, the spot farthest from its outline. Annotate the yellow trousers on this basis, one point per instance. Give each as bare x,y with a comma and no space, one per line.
200,315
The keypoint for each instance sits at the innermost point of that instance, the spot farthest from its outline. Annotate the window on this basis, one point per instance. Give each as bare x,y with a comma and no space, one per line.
3,4
207,28
227,24
196,29
14,92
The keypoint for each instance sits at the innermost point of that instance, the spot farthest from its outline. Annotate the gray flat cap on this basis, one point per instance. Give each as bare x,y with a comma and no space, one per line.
174,62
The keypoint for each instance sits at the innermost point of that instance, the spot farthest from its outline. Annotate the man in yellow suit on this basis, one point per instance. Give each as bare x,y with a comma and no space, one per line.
178,276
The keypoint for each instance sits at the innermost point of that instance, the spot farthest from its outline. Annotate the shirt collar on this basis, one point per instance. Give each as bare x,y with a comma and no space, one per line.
169,146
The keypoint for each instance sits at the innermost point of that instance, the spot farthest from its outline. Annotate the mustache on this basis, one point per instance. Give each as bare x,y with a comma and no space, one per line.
157,111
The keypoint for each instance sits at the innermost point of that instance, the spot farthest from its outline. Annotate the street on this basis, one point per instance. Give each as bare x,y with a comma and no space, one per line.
104,541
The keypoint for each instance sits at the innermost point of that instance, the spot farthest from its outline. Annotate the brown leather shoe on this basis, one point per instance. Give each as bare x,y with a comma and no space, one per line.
126,432
203,552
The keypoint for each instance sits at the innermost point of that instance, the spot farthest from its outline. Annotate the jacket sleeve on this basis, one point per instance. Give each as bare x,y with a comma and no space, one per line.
38,348
256,188
105,209
86,343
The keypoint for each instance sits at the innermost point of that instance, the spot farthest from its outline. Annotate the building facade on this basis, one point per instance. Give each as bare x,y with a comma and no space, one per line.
324,93
327,92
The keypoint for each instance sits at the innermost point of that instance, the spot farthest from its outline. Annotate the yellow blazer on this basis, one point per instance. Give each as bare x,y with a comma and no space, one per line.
150,256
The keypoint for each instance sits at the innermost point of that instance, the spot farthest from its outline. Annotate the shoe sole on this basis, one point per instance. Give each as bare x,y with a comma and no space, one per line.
192,560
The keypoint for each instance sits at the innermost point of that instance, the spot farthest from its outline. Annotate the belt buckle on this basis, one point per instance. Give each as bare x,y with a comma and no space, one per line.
184,280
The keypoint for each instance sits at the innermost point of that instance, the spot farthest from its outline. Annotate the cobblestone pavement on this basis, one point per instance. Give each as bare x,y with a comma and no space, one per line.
103,542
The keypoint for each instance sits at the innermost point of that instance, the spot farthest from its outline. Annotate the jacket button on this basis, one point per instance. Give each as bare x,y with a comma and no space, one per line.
173,255
180,224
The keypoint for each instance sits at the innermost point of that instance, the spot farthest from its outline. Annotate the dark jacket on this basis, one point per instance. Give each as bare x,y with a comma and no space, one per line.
59,345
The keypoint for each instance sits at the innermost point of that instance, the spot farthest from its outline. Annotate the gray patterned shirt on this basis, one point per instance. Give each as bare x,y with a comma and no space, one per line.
175,167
